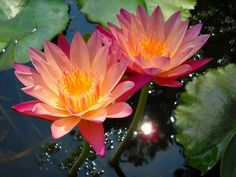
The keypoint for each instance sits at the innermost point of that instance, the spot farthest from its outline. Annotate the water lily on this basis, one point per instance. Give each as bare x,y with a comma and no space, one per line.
74,85
156,48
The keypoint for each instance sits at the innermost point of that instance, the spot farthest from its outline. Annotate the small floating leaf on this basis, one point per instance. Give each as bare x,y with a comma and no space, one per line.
206,117
228,163
27,23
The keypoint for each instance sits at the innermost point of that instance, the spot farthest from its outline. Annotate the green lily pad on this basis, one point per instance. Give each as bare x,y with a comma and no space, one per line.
27,24
206,117
228,163
171,6
104,11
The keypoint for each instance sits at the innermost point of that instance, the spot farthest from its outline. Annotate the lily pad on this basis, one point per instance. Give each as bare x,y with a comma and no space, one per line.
171,6
104,11
228,163
206,117
31,23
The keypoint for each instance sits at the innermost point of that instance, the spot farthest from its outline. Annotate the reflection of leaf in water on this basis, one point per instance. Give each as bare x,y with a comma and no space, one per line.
5,98
3,135
7,156
8,118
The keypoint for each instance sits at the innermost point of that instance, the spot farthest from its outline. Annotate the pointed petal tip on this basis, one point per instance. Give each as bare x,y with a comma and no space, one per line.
102,152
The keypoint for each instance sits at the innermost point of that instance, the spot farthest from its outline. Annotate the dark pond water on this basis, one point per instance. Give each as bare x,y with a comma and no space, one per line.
26,146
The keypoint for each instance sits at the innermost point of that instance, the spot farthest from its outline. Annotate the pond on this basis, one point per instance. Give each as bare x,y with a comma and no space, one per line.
27,148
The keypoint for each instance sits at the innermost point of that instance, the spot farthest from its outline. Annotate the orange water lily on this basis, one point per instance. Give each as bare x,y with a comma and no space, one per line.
74,85
155,48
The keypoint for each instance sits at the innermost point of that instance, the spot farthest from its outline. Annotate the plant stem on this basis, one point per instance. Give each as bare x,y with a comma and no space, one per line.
137,118
83,155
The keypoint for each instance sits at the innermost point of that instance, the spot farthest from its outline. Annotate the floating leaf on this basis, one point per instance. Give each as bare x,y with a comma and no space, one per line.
228,163
206,117
171,6
104,11
27,23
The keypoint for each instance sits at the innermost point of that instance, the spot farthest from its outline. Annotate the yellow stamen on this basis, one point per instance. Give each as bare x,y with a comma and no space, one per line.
150,48
79,90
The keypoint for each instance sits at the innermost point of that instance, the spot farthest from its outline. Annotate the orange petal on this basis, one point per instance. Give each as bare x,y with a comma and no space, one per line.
94,44
79,53
96,116
56,57
42,94
119,110
44,109
113,76
63,126
121,88
99,65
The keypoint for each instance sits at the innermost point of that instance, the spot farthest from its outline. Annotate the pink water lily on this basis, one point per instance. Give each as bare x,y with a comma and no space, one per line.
155,48
74,85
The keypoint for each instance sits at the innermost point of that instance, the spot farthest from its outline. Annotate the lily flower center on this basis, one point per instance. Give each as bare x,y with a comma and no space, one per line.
78,90
150,48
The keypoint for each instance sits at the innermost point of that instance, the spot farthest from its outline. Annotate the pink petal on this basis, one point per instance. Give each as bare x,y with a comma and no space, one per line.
99,65
167,82
176,72
175,38
50,74
114,30
113,76
119,110
196,64
172,22
23,68
94,44
140,81
156,23
121,89
192,33
125,14
79,54
28,76
44,109
161,62
94,134
144,63
27,107
43,94
56,57
152,71
63,126
96,115
63,44
141,14
186,68
105,35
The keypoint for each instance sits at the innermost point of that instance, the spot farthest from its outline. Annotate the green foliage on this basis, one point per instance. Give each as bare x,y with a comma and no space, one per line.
104,11
206,117
228,163
27,23
171,6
